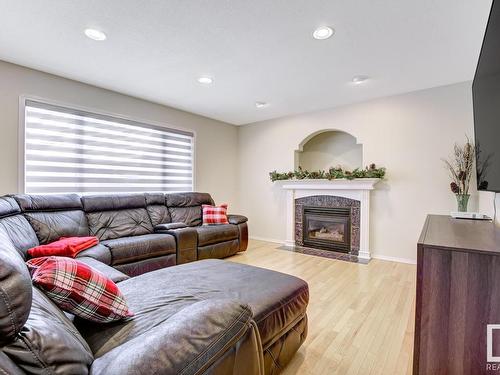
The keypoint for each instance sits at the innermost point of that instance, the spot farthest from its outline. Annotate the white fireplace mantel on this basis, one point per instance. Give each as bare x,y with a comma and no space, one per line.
358,189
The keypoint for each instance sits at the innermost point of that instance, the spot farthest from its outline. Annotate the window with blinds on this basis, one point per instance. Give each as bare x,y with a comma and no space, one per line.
72,151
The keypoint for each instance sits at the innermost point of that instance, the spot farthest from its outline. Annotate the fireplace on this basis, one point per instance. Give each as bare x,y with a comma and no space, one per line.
327,228
328,222
353,195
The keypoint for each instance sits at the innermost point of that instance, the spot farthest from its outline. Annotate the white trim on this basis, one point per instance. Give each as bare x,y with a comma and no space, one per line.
21,131
272,240
394,259
362,254
338,184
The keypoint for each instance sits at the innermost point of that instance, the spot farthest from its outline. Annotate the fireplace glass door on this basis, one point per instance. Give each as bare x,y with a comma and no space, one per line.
327,228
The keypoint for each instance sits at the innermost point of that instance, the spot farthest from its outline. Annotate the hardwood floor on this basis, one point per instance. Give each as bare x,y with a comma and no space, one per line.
361,317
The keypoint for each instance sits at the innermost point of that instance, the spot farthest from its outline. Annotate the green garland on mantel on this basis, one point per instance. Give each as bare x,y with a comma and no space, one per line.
332,174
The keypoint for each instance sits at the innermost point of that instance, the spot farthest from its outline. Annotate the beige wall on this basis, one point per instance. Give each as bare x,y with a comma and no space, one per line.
408,134
216,142
330,149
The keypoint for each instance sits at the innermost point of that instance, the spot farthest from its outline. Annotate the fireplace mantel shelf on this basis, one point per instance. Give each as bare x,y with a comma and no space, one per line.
339,184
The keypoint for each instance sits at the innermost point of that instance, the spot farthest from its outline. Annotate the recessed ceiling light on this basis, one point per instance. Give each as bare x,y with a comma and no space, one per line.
205,80
357,80
323,32
261,104
95,34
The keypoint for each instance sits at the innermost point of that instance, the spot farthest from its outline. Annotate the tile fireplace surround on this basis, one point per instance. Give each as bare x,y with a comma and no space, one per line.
357,190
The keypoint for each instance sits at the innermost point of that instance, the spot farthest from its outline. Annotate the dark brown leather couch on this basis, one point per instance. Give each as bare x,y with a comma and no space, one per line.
138,233
202,317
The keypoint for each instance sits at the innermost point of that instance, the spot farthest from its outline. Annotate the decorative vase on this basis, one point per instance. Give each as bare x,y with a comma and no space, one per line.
462,202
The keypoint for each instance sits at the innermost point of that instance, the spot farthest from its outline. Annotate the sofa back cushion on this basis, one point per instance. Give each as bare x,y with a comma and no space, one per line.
157,209
54,216
116,216
15,290
186,207
16,226
49,342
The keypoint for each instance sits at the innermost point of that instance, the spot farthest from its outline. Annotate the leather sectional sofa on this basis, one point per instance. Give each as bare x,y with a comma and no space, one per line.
203,316
138,232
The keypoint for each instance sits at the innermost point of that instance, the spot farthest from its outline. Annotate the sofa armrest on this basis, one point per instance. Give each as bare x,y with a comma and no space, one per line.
197,338
241,222
169,226
186,243
237,219
106,270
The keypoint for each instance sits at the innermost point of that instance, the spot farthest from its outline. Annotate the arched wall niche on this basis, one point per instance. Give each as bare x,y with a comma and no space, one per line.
329,148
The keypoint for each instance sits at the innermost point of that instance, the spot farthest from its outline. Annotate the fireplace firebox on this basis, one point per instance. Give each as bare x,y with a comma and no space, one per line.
327,228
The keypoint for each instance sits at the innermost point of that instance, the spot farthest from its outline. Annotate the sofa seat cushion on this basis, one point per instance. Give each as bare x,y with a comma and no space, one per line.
132,249
219,250
278,301
110,272
98,252
210,234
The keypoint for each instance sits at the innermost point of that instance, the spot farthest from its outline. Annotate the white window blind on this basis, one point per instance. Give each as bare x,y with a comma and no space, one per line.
68,150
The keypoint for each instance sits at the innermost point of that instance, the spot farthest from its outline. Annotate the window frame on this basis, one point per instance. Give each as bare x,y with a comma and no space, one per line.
21,183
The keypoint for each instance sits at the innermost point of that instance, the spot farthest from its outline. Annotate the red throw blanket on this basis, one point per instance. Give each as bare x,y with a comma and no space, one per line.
64,247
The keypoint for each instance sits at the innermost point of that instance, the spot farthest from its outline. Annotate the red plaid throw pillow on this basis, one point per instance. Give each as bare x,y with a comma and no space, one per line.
214,214
78,289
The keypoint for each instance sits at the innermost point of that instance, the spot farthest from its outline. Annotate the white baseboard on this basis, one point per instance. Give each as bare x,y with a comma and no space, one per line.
273,240
394,259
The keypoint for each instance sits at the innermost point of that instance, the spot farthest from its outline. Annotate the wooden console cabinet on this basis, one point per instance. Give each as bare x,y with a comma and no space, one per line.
458,294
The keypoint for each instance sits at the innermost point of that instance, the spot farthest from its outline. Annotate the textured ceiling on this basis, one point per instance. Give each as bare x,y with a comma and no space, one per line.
256,50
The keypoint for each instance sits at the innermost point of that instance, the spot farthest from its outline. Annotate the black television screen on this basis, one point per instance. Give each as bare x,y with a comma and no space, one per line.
486,98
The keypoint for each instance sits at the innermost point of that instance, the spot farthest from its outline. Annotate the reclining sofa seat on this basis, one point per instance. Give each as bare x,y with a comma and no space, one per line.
123,225
214,241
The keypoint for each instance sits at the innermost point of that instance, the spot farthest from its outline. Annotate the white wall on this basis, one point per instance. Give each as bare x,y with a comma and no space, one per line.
331,149
408,134
216,142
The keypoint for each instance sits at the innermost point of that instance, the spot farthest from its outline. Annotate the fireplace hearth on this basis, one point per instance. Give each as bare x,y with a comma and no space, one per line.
327,228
